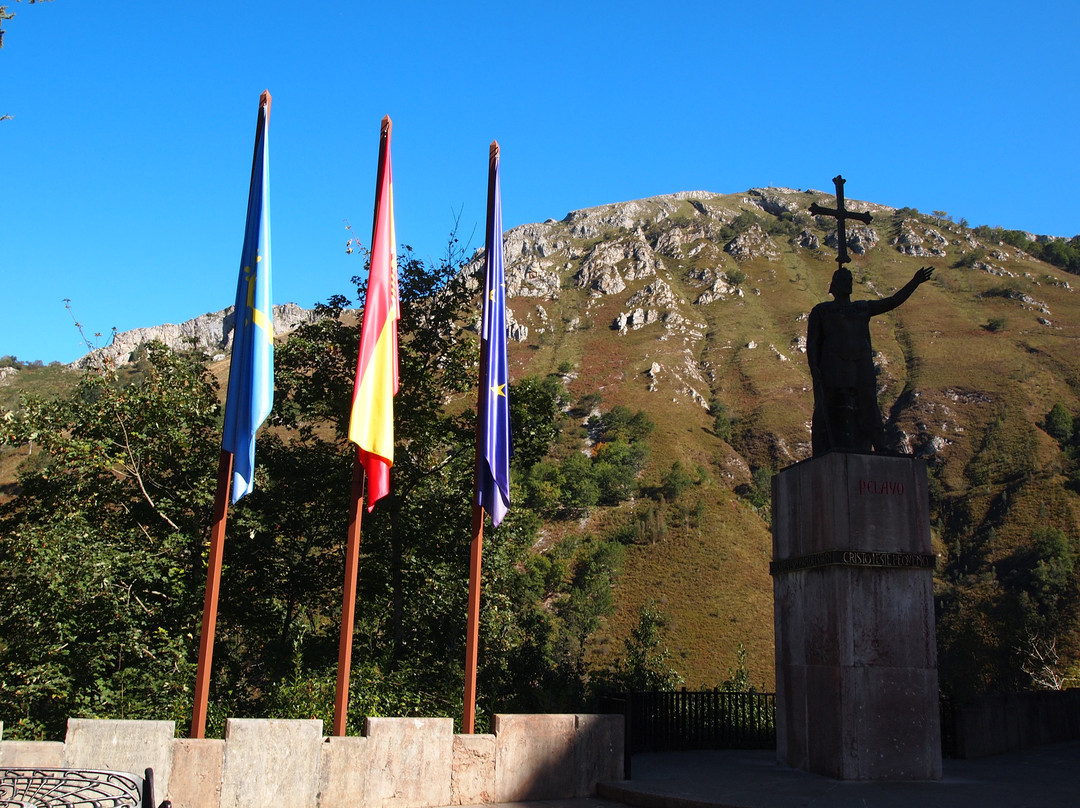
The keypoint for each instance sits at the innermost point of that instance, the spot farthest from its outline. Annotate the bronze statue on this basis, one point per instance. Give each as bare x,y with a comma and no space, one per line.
846,414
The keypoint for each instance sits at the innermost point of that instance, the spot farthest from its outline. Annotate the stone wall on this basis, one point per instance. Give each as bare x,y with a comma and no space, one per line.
396,763
1010,722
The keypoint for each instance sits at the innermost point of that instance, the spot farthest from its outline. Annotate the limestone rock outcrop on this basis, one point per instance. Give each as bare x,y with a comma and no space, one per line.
210,332
752,243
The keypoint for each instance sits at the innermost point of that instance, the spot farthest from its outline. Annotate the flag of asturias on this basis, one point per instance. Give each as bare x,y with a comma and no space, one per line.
493,483
251,369
371,424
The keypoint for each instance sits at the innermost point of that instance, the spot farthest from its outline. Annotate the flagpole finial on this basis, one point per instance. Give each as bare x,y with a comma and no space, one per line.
386,124
264,100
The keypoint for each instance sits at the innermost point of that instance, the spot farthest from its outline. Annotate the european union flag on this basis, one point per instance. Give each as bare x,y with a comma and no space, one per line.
493,483
251,370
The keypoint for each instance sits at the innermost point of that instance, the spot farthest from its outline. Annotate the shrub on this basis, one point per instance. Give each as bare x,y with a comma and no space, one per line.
721,420
1059,424
969,259
676,481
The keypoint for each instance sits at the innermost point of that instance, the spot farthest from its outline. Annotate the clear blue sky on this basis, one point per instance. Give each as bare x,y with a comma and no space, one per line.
124,169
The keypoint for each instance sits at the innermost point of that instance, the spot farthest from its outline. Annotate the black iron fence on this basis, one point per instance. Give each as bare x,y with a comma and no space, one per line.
721,719
710,719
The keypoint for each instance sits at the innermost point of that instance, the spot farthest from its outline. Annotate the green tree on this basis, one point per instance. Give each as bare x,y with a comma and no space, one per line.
616,466
645,664
413,582
1042,574
581,489
101,564
534,419
721,420
411,591
738,680
676,481
759,491
103,561
621,424
1059,424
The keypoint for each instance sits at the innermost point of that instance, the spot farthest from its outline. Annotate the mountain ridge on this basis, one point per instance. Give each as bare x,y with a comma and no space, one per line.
211,332
676,304
691,304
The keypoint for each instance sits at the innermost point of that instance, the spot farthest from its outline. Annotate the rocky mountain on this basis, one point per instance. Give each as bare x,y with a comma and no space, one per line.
692,308
708,279
210,332
685,303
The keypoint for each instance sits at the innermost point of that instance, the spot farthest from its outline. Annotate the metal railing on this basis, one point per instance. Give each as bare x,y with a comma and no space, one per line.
661,721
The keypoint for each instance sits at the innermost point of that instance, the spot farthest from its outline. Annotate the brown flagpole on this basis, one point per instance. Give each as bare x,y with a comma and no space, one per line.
217,531
348,601
210,603
472,629
352,548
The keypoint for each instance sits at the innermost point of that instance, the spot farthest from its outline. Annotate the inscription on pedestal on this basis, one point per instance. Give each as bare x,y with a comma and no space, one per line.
853,558
888,487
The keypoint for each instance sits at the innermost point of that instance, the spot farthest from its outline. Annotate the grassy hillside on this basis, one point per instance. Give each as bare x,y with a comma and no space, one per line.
968,370
675,304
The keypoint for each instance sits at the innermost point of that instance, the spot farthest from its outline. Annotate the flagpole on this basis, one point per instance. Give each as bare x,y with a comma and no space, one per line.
244,390
348,602
472,630
352,549
210,602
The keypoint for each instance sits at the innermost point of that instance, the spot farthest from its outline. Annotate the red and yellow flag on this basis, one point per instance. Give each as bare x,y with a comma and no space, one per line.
371,424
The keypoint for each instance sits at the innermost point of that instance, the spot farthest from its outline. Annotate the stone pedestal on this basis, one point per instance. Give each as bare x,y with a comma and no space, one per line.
856,656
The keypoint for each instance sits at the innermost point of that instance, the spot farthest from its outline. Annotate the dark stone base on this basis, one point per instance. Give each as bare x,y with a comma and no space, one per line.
856,657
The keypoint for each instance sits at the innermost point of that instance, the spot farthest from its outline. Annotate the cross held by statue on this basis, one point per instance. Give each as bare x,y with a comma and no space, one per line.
841,214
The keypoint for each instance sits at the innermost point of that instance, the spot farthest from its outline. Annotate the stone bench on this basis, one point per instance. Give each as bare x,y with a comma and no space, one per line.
41,787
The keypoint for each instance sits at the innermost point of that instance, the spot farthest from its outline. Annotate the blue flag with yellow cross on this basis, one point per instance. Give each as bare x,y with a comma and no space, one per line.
251,370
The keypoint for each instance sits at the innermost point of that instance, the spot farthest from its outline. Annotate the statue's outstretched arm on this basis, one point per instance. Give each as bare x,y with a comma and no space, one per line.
890,303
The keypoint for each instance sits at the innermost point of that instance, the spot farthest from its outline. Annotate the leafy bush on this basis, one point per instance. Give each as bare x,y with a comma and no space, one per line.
1059,424
722,421
969,259
735,276
645,665
759,491
100,567
620,424
676,481
616,466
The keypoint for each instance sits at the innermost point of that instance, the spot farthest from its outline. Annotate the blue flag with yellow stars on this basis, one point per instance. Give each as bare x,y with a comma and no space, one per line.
251,369
493,483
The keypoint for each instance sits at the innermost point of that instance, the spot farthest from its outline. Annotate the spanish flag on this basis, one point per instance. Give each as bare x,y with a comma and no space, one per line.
371,424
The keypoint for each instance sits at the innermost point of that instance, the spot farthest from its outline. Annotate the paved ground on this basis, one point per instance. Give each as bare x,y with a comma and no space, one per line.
1047,777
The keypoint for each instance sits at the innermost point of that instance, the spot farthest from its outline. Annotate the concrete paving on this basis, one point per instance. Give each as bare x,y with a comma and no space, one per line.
1046,777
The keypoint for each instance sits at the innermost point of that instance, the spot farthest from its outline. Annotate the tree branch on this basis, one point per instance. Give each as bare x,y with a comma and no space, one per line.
134,467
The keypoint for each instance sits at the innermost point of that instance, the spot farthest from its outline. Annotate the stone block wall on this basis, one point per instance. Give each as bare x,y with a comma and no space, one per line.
397,763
